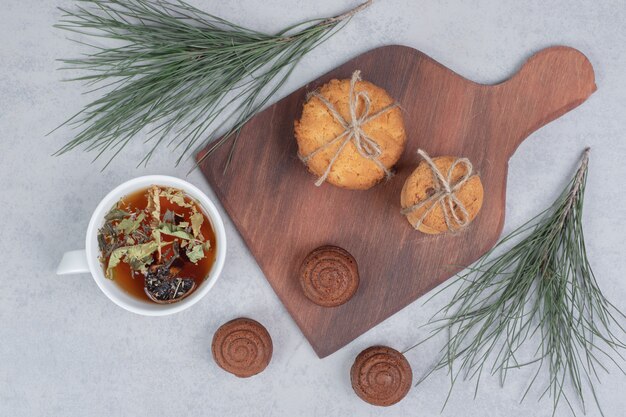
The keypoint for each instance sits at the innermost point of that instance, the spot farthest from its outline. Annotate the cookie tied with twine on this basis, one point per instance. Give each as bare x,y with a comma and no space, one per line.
442,194
350,134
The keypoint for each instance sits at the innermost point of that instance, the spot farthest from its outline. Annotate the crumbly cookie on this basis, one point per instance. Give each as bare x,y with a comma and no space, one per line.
421,184
242,347
381,376
317,126
329,276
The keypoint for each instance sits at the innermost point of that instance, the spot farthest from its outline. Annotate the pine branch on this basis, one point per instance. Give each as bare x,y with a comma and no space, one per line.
542,291
174,70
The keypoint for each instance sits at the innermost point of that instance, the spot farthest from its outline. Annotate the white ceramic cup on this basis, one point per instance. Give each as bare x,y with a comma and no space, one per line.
86,260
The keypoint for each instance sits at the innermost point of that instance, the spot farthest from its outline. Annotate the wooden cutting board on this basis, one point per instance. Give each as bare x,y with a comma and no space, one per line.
281,215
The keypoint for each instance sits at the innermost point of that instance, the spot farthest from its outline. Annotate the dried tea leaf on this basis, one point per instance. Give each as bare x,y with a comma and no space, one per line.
130,254
184,225
173,230
142,234
108,240
168,217
195,253
140,252
116,214
129,225
114,260
102,243
141,265
176,196
196,223
154,203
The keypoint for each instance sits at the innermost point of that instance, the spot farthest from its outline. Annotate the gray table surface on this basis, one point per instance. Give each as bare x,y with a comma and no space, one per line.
66,350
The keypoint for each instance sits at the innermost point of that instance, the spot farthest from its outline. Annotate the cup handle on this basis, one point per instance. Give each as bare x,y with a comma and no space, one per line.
73,262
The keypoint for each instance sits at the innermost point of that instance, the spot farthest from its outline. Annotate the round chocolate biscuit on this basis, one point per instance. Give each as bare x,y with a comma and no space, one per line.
381,376
329,276
242,347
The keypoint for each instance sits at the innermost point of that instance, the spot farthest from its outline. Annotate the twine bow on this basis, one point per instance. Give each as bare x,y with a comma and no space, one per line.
444,195
353,130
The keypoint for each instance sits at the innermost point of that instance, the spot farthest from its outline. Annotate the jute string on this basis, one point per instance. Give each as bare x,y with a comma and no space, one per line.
353,130
444,195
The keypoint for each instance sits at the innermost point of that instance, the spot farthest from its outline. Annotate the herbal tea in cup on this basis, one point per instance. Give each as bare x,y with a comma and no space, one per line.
157,244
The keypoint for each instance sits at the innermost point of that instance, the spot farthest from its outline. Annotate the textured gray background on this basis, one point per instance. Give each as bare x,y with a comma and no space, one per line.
66,350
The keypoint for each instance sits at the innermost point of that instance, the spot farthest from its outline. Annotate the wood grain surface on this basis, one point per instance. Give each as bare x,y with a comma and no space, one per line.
282,216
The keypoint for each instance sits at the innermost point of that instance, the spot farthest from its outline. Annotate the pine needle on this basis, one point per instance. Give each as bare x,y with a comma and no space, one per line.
542,293
173,71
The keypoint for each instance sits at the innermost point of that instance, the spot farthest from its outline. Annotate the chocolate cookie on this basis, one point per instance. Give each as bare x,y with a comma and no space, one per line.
381,376
242,347
423,185
329,276
318,127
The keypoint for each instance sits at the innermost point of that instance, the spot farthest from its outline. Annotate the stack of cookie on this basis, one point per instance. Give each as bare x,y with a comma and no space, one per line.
351,134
